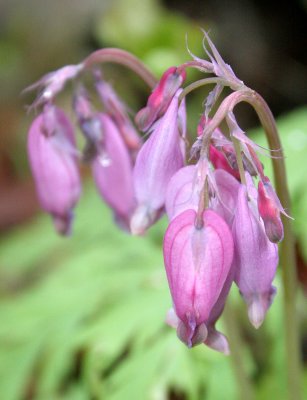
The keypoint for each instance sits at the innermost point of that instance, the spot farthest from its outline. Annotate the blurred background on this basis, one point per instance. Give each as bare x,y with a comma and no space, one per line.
83,317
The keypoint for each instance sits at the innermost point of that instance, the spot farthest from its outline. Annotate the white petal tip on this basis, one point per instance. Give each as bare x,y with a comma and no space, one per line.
256,313
217,341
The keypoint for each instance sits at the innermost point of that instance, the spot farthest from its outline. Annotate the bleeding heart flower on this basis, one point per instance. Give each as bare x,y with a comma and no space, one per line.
52,154
197,262
157,161
114,177
255,259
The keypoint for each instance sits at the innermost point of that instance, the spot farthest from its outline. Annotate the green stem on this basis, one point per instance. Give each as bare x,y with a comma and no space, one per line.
244,385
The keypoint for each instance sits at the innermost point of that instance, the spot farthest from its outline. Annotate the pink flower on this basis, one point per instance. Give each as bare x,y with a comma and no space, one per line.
197,262
255,259
157,161
113,175
52,154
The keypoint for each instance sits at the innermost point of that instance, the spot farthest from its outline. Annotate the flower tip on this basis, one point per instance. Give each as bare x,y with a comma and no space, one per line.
274,230
144,119
192,334
217,341
256,312
141,220
171,318
63,224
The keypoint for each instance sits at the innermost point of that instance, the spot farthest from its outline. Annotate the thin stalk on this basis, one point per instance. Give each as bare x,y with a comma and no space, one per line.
244,384
199,83
121,57
236,145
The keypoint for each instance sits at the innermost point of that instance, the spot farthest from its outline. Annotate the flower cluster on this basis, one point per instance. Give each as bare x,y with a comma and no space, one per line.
224,215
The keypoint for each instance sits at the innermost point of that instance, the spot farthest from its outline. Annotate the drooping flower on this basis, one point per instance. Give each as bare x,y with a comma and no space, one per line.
197,262
255,258
157,161
52,154
114,177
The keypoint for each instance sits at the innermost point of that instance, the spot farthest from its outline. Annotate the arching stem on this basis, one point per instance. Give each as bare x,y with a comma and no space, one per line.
121,57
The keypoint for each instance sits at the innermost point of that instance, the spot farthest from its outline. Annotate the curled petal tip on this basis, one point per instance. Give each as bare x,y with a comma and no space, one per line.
256,313
217,341
190,334
274,230
258,305
63,224
142,219
171,318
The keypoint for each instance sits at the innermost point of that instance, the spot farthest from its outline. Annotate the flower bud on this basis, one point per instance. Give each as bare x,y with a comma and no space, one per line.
52,155
269,213
160,98
255,259
197,262
157,161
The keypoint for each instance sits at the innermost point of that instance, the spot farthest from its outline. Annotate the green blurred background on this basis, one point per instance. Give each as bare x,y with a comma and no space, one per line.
83,317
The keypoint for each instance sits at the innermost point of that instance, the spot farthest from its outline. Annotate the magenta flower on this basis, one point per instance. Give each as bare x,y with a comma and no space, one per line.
113,175
52,154
255,259
197,262
160,98
157,161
